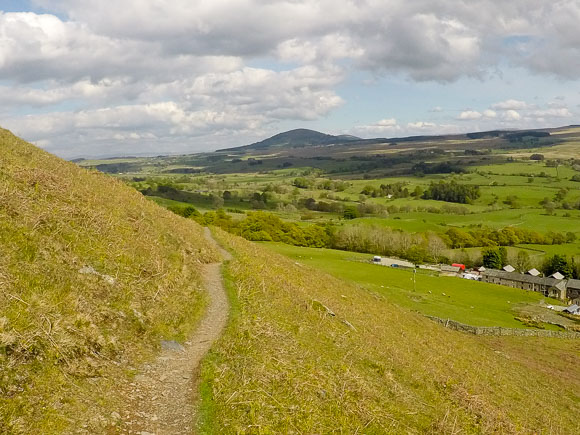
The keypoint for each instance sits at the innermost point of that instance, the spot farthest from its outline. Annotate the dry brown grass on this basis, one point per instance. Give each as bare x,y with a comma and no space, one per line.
286,365
66,336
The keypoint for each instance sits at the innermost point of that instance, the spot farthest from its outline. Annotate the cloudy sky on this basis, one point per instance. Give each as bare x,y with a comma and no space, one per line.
120,77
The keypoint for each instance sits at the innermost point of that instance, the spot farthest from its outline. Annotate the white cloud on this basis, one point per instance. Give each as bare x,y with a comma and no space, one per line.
469,115
421,125
388,122
511,115
211,104
184,65
387,126
561,112
510,105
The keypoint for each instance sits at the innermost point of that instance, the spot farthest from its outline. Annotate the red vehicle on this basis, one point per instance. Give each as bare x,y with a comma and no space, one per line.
461,266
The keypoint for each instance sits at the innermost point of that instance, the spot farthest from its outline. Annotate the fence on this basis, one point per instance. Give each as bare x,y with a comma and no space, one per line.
498,330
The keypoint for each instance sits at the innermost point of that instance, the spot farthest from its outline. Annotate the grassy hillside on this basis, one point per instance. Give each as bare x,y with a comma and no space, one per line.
286,364
92,275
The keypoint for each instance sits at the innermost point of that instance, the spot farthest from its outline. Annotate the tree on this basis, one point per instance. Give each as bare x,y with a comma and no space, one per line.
537,157
452,192
217,201
549,207
558,263
436,246
492,258
418,192
350,212
302,182
522,261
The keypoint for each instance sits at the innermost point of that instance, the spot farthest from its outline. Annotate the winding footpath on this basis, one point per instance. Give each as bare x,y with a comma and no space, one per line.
162,397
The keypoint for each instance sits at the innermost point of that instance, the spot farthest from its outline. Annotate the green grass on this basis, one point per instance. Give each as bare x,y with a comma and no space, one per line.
286,365
470,302
164,202
526,218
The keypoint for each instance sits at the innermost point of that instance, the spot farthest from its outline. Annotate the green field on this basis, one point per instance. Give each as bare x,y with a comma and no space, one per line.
526,218
470,302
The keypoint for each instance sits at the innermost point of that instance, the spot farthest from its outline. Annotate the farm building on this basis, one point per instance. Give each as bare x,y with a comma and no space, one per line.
573,290
450,270
572,309
551,287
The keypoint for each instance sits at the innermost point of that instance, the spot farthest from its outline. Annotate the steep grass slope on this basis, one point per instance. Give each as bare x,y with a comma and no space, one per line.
92,275
287,365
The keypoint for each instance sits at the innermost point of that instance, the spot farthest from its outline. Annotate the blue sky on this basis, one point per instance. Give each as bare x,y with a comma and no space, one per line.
86,78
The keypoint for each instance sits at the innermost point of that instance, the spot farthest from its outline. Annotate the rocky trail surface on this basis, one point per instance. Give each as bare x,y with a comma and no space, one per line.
161,398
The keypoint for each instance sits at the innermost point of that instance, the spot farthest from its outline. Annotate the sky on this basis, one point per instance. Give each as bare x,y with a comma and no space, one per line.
86,78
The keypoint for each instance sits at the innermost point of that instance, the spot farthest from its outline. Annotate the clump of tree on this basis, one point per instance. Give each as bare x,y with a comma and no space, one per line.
508,236
438,168
452,192
417,248
263,226
561,263
494,258
395,190
336,185
303,183
186,211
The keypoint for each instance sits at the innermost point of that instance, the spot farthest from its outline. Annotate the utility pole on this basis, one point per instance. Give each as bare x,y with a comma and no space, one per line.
414,278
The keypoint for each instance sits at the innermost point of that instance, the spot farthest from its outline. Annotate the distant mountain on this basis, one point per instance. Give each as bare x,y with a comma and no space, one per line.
303,137
300,137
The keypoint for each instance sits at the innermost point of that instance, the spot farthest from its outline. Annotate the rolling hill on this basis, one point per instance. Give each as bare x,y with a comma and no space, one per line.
92,276
297,138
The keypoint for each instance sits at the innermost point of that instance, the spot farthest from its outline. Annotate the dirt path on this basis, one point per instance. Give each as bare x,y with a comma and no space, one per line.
162,397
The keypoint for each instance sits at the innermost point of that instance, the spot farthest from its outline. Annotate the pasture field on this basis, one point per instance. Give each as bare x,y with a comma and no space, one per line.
533,219
470,302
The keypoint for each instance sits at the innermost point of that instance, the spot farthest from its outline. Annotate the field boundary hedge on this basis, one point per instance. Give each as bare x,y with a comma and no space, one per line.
498,330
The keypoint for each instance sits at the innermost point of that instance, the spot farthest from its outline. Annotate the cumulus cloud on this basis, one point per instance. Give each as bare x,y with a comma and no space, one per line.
430,40
211,104
144,57
386,126
561,112
511,115
510,105
421,125
467,115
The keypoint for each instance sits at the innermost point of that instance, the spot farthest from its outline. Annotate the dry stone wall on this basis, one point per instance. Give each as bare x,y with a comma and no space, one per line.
498,330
